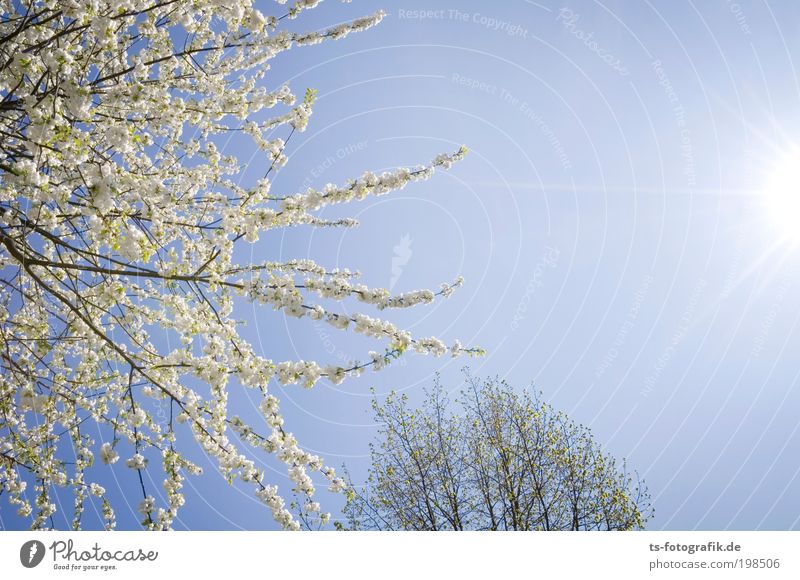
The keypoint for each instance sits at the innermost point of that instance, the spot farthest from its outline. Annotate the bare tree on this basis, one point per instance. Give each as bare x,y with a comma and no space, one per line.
507,461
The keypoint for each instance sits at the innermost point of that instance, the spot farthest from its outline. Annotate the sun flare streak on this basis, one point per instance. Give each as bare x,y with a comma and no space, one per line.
782,197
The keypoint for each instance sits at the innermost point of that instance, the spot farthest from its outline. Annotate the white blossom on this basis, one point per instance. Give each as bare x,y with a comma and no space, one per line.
107,454
137,461
147,505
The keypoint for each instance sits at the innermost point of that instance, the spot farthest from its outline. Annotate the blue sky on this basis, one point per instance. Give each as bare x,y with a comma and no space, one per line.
612,222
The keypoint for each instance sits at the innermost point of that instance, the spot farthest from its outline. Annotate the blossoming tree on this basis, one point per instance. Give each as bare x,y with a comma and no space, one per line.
119,220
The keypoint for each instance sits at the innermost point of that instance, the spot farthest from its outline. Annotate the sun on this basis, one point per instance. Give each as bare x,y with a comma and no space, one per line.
782,197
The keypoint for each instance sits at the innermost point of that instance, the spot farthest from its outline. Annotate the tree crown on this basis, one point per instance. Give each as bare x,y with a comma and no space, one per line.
507,461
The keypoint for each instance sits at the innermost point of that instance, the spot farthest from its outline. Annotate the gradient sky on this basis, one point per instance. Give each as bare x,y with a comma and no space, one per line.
612,222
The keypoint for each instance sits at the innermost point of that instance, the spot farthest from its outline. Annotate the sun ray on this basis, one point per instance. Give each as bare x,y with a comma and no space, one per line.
781,197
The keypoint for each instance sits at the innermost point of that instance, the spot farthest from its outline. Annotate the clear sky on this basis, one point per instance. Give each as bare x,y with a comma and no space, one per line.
616,222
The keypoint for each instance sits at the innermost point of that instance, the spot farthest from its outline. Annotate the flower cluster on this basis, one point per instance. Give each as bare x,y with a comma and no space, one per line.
120,219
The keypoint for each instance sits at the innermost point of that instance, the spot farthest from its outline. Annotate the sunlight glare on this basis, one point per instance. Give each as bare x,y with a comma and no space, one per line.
782,201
